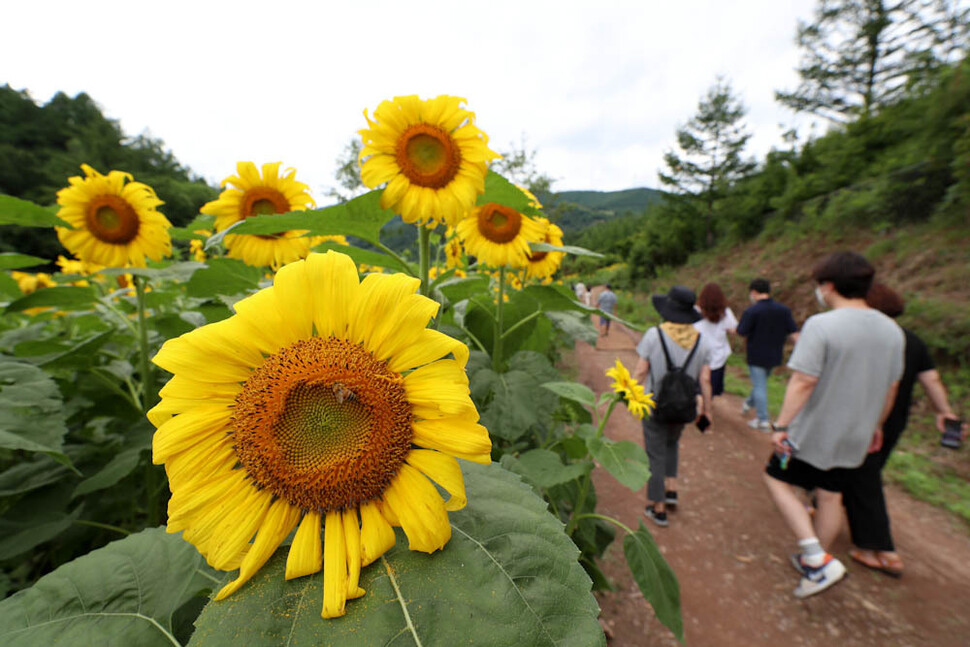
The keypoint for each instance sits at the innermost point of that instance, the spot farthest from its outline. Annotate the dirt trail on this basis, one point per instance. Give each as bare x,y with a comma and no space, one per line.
729,548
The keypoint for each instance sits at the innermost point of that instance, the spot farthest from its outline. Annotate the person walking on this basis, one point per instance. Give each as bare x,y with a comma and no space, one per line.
606,301
766,325
863,496
674,344
718,320
846,368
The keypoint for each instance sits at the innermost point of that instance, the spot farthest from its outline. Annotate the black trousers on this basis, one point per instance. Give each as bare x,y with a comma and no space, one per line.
865,500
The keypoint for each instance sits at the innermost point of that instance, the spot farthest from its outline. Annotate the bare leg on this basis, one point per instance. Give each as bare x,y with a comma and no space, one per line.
828,516
791,508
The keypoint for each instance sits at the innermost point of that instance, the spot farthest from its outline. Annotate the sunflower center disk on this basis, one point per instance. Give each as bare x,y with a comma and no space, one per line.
262,200
428,156
323,425
498,223
112,220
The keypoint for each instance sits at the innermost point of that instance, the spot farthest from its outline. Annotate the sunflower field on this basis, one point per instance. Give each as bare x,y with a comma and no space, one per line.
267,427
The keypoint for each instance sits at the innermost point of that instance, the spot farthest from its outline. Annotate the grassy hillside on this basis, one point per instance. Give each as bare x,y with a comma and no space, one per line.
928,264
575,211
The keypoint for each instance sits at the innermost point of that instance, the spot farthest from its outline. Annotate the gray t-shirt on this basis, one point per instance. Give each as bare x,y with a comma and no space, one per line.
607,301
650,349
857,354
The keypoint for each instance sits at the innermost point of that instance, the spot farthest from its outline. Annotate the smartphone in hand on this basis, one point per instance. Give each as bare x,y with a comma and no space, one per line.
703,422
952,433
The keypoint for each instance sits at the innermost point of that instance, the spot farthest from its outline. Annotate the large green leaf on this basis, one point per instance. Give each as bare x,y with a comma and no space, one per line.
366,256
123,594
361,217
626,461
175,272
574,391
509,576
500,190
512,402
14,211
30,475
545,469
31,410
19,535
13,261
568,249
655,578
225,276
64,298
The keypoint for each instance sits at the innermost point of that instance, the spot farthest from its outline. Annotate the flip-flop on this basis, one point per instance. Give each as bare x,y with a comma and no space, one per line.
878,561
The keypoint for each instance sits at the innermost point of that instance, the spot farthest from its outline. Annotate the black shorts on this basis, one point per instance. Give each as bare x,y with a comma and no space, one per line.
717,381
803,475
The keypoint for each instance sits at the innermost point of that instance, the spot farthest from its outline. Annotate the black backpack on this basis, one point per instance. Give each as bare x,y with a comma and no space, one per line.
677,394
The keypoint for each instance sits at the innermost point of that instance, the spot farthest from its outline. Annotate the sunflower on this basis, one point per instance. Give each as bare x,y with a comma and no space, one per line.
74,266
115,222
431,155
542,265
197,247
453,250
499,235
324,402
254,195
317,240
638,402
30,283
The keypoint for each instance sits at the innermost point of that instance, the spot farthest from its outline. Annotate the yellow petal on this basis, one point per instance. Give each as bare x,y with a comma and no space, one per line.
178,356
442,385
232,535
279,521
334,277
459,436
305,556
444,471
334,567
419,507
296,297
186,430
370,320
376,535
352,537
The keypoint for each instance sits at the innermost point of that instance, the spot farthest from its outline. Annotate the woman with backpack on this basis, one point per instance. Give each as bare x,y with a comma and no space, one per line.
676,359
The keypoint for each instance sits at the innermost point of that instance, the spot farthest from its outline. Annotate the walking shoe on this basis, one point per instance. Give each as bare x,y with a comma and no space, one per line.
762,425
816,579
659,518
670,498
745,408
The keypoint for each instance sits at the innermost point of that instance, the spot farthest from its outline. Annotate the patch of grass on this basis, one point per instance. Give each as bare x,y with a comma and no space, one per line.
930,482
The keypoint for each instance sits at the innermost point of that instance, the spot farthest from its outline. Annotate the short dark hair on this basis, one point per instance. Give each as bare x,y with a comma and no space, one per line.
849,272
886,300
760,285
609,287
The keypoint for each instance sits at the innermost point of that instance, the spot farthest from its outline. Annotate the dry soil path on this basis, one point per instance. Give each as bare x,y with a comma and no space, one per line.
729,549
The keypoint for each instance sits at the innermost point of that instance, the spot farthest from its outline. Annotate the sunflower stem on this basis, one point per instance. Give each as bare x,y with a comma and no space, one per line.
424,251
499,322
605,418
147,398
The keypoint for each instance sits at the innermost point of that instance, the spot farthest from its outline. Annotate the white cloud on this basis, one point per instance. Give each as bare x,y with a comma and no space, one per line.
597,89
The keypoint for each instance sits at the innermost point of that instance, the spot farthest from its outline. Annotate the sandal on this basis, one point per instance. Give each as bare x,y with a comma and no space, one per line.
891,565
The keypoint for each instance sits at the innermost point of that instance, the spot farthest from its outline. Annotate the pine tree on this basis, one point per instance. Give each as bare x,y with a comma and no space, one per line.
710,161
860,55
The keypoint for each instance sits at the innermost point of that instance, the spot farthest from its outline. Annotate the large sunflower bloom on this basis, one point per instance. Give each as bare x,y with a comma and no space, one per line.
431,155
324,402
115,221
542,265
252,194
638,402
499,235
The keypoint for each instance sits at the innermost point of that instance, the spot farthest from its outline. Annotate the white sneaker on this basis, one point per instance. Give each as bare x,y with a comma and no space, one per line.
745,408
816,579
763,425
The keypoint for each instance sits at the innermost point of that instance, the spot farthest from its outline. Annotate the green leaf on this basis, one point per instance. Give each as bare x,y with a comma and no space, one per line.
123,464
655,578
545,469
125,593
500,190
78,355
30,475
21,536
509,576
201,222
31,410
556,297
361,217
63,298
14,211
568,249
510,403
574,391
225,276
576,325
366,256
626,461
178,272
13,261
459,289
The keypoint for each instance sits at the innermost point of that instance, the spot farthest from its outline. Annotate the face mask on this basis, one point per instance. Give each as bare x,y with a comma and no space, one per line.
819,297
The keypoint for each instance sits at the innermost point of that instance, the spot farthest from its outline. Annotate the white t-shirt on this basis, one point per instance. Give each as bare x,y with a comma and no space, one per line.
716,335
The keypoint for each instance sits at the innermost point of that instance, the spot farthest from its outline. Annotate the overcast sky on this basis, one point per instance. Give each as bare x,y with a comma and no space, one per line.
597,89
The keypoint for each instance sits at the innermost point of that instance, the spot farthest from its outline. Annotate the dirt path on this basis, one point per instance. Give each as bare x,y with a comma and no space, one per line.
729,548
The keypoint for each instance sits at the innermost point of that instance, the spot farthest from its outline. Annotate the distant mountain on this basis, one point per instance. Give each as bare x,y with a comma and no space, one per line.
577,210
